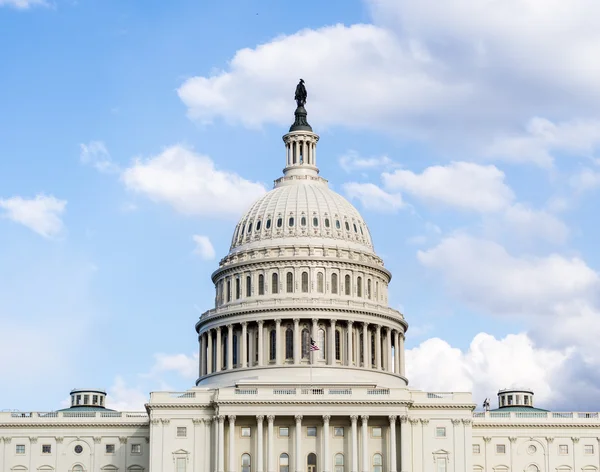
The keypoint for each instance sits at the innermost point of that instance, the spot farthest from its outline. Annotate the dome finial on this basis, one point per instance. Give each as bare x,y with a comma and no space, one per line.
300,123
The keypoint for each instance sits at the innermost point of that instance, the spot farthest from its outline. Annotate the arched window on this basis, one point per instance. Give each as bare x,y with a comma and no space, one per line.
261,284
326,222
238,288
269,223
347,226
369,289
305,344
250,228
338,347
359,286
321,344
246,463
274,283
339,463
304,282
289,282
337,224
378,463
320,282
235,349
311,462
224,351
284,463
77,468
334,283
291,222
248,286
315,221
272,345
376,290
289,344
228,290
258,225
355,230
347,285
303,221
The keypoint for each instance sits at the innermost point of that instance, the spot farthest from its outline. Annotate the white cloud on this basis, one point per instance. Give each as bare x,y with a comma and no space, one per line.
484,274
543,137
121,397
95,154
463,185
584,180
41,214
488,365
372,197
352,161
23,4
182,364
526,223
190,183
204,247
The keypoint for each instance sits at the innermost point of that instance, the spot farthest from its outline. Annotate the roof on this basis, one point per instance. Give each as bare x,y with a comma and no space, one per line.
520,408
86,408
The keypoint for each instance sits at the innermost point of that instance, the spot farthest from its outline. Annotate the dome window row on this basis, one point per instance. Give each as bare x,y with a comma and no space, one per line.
230,288
246,229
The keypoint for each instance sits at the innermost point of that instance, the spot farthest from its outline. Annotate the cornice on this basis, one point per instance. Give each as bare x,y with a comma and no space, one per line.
315,402
61,424
487,425
169,406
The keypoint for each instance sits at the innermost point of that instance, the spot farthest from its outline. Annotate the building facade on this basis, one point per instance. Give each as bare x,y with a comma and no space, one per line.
302,368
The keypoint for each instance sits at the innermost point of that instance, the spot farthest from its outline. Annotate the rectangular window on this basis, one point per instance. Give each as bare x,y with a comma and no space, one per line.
95,399
136,448
181,431
181,464
284,431
376,432
563,449
510,399
46,448
110,448
338,431
588,449
311,431
86,399
500,449
441,465
476,449
20,449
246,431
440,432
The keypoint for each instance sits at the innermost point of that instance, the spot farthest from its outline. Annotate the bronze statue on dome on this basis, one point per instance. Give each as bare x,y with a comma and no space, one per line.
301,95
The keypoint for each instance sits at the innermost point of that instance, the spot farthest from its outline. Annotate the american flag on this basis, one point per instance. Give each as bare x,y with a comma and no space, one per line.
313,345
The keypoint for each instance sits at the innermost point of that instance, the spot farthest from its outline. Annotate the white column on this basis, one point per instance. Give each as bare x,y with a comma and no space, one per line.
231,461
271,445
365,443
332,343
296,341
207,440
378,347
198,457
278,350
349,344
209,353
201,355
221,446
468,441
219,350
314,337
261,345
388,344
259,443
405,446
365,346
396,352
402,357
314,154
354,464
244,344
392,443
326,459
298,453
229,346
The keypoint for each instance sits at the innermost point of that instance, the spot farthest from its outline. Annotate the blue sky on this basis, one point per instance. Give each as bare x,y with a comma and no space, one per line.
132,135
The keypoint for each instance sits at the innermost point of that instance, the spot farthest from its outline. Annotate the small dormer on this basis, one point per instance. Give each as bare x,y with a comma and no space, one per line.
515,397
88,399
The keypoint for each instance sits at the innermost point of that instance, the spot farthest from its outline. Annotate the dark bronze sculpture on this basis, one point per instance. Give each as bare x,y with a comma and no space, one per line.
300,96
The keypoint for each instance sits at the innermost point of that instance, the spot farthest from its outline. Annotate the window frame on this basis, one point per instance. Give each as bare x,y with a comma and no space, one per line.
500,449
245,428
311,428
20,449
440,432
137,451
181,429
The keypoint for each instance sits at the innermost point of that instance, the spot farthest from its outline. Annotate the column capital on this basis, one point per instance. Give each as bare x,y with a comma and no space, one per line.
424,421
403,419
207,420
350,322
392,419
298,418
296,321
353,418
549,439
378,327
278,321
487,439
197,420
512,439
244,323
326,418
229,326
260,323
365,324
364,418
221,419
414,420
575,439
467,421
455,422
231,418
260,418
271,418
315,321
333,321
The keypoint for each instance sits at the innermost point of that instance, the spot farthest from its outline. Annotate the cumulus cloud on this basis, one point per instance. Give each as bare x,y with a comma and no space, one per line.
41,214
527,223
23,4
353,161
122,397
463,185
584,180
181,364
191,184
372,197
204,247
95,154
488,365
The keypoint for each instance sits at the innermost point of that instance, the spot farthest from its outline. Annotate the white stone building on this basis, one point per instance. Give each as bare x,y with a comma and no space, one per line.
301,274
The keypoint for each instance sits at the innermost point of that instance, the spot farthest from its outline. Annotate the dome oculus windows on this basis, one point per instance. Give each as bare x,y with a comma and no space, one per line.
279,222
315,221
347,226
258,225
291,222
337,224
303,221
269,223
326,222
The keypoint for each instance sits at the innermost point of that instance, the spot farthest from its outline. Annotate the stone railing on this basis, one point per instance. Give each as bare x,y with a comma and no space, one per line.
29,416
549,415
282,303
